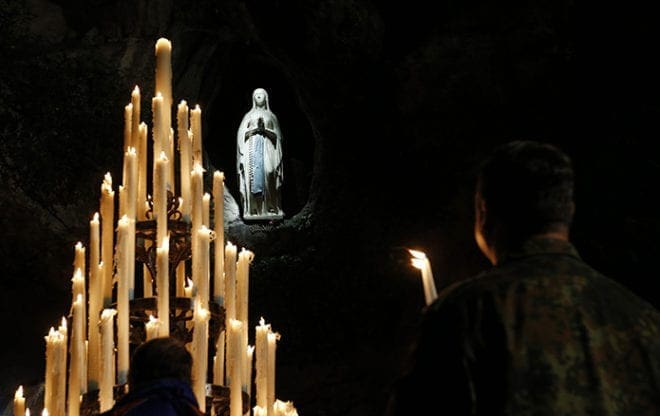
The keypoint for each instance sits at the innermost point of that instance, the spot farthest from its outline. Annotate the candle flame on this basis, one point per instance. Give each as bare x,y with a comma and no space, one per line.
136,90
219,174
19,393
63,326
95,218
152,319
45,412
262,322
27,412
417,254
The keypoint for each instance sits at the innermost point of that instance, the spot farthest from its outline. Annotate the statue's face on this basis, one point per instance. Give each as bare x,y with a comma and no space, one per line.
259,98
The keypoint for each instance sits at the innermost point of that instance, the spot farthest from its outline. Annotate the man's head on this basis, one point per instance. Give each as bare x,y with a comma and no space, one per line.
159,358
524,188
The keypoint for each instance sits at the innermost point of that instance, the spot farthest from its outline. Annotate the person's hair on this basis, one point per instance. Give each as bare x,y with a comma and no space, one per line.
527,186
165,357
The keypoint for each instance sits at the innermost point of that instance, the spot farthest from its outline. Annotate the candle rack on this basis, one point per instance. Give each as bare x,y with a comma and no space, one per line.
179,239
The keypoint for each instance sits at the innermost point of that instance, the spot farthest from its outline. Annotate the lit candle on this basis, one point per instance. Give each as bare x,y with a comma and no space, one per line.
206,209
123,324
157,129
106,398
201,277
135,118
130,189
421,262
245,257
188,290
164,76
261,351
185,153
107,235
55,386
142,172
219,241
19,402
200,352
196,127
160,198
163,286
197,192
235,365
78,289
152,328
273,337
230,281
249,358
128,124
95,304
76,357
219,360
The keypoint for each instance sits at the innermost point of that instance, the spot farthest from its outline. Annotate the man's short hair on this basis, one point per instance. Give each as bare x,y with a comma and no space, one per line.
527,186
165,357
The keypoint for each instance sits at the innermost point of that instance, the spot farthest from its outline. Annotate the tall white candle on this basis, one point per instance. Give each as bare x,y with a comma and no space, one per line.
421,262
130,188
219,241
261,351
185,156
245,257
164,77
230,281
219,360
19,402
273,337
160,198
142,172
197,192
107,235
201,266
206,209
76,357
106,397
95,304
236,352
200,352
163,286
123,306
128,124
78,288
196,127
247,376
55,386
135,118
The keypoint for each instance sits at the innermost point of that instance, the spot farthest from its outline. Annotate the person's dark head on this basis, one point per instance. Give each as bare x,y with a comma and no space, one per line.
159,358
524,188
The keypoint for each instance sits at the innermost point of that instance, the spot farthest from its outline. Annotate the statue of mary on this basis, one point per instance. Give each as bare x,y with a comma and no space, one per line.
259,160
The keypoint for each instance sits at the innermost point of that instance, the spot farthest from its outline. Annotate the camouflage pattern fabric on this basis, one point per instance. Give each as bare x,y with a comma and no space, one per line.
540,334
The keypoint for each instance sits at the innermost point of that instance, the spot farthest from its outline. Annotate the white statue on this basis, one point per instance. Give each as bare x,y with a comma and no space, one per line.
259,160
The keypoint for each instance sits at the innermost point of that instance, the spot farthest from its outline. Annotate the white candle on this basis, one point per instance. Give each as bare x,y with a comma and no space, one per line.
261,351
188,290
197,192
219,360
164,77
196,127
55,386
247,376
130,188
185,156
245,257
76,357
123,307
163,286
206,209
273,337
19,402
160,198
95,304
78,289
128,125
142,172
152,328
106,397
107,235
219,241
230,281
135,118
235,367
421,262
200,352
201,277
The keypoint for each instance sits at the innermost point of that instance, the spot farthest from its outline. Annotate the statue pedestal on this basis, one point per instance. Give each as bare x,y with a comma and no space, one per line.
263,217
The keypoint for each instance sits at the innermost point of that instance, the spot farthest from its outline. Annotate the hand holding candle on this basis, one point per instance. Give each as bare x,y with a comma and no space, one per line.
421,262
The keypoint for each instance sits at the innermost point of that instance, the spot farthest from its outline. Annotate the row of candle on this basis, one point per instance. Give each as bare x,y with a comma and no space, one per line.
95,362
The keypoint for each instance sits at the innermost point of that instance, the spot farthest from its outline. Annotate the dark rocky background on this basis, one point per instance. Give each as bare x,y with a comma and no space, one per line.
384,109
